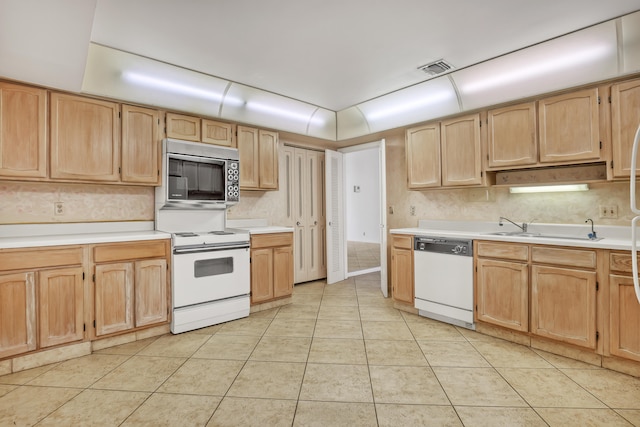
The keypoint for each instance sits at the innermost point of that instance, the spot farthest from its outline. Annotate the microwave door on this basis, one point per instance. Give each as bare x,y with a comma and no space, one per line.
205,178
636,212
190,172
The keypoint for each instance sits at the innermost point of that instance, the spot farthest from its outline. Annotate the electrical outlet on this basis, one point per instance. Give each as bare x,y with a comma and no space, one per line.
412,210
58,208
608,211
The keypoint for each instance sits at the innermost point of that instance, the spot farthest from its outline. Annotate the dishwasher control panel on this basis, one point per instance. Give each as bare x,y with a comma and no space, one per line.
443,245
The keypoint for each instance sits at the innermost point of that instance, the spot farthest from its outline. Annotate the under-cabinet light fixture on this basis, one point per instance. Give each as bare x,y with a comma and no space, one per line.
549,188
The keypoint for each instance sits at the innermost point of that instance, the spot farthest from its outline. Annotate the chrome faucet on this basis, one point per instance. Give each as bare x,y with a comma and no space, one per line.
592,235
522,227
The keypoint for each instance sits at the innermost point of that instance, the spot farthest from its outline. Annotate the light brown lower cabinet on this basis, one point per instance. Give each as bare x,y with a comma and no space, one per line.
624,319
271,266
45,293
563,304
402,289
41,298
502,293
624,309
60,306
132,291
547,291
17,313
502,284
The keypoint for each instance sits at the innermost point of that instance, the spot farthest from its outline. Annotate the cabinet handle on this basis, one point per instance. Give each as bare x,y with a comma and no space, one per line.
298,223
315,222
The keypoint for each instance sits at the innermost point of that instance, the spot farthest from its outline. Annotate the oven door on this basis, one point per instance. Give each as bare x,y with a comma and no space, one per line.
204,274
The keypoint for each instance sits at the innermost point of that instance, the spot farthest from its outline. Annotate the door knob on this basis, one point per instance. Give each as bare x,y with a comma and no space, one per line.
298,223
315,222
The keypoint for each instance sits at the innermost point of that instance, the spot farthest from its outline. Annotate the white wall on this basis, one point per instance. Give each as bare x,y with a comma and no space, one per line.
363,207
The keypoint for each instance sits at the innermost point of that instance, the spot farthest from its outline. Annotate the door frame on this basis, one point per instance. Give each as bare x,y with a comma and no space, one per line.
381,147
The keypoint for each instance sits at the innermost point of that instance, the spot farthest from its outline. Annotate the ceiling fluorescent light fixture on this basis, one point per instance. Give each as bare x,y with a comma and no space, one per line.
181,88
549,188
405,107
561,61
285,113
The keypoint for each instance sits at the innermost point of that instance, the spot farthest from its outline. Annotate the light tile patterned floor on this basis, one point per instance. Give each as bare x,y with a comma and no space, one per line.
362,256
339,355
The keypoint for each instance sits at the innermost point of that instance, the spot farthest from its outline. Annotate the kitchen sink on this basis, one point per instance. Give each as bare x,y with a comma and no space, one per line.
540,235
512,233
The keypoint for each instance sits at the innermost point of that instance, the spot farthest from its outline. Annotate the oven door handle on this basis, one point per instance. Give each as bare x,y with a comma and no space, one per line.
199,248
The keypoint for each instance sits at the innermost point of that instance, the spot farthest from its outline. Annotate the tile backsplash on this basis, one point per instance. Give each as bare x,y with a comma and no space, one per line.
34,202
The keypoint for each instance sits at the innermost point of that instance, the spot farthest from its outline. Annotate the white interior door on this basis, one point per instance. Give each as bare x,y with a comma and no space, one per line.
384,287
336,242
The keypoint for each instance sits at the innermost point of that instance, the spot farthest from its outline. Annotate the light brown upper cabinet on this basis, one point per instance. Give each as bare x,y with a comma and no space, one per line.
461,151
191,128
258,150
140,145
423,156
85,139
512,136
625,119
183,127
569,128
445,154
217,133
23,132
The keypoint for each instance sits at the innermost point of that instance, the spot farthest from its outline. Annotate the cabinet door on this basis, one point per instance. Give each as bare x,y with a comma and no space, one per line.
151,292
85,139
624,312
261,275
114,297
217,133
249,158
570,127
563,304
423,156
502,293
61,306
183,127
512,136
23,131
282,271
268,160
625,117
402,275
17,314
461,161
140,145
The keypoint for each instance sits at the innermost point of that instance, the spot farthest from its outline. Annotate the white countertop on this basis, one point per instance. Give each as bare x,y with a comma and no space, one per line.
613,237
37,235
257,226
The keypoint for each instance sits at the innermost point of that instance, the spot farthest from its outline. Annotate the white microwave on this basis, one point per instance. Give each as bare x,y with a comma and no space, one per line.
198,176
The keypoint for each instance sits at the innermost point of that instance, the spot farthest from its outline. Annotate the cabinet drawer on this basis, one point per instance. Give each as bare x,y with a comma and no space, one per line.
503,250
271,240
28,258
125,251
403,242
620,262
564,257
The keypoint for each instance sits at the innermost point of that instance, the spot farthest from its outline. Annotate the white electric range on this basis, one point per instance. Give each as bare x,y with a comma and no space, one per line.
211,273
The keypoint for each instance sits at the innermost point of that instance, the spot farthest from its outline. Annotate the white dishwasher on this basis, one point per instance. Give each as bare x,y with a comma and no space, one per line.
443,276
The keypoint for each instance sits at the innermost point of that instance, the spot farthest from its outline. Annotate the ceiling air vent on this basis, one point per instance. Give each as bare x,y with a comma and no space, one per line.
435,68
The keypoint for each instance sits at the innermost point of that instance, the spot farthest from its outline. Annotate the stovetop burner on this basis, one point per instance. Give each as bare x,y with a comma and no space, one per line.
186,234
187,238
